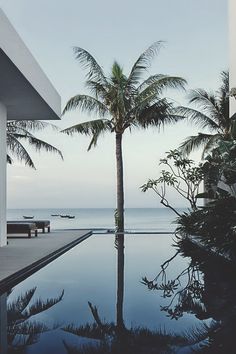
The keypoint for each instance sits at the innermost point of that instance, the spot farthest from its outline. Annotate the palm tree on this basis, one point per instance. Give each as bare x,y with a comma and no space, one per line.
122,102
18,131
213,114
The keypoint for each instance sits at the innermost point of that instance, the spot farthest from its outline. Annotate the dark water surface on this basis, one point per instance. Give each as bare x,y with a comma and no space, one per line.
88,272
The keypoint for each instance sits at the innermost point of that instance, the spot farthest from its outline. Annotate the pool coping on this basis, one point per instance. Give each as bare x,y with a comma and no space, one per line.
20,275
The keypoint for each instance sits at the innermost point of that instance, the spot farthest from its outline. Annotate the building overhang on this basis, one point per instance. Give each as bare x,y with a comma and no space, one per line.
25,90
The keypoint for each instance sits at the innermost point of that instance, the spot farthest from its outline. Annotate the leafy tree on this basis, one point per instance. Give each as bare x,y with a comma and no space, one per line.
213,114
122,102
181,175
18,131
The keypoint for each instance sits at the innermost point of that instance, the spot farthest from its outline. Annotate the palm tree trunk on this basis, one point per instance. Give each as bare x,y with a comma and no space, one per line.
119,184
120,230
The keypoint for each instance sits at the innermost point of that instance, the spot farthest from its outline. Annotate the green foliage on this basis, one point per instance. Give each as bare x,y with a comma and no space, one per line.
182,175
213,114
123,101
223,161
214,225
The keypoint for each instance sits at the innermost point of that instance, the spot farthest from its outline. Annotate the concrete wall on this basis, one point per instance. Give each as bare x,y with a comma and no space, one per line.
13,46
232,48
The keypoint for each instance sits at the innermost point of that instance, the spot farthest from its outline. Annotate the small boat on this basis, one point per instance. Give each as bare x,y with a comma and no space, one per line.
28,217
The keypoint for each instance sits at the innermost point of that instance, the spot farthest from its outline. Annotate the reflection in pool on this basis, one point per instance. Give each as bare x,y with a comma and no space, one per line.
97,272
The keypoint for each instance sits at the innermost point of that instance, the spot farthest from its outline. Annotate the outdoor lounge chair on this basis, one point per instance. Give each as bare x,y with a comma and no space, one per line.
40,224
22,228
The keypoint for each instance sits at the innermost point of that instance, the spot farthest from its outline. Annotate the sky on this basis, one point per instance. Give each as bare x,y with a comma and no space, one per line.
195,35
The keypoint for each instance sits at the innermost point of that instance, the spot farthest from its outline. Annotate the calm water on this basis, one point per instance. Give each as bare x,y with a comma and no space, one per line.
148,219
204,290
88,272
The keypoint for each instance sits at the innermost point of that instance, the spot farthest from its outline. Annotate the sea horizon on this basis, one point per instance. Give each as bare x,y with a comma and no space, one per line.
136,219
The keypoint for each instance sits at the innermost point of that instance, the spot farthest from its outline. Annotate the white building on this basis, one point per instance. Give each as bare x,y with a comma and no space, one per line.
25,93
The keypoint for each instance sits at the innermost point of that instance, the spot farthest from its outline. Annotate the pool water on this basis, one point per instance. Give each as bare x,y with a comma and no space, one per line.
88,272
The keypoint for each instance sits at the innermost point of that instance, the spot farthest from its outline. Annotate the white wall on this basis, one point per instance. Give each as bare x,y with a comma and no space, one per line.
16,50
232,48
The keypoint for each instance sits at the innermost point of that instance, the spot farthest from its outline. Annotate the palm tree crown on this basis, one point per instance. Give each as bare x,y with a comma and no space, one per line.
122,102
213,114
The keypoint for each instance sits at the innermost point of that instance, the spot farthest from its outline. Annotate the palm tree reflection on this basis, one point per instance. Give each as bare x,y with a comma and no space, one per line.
209,292
116,338
18,329
119,244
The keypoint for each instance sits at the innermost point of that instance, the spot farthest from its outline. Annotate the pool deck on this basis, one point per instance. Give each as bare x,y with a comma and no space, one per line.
23,256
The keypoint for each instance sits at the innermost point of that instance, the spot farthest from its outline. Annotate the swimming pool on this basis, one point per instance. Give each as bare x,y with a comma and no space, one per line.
88,273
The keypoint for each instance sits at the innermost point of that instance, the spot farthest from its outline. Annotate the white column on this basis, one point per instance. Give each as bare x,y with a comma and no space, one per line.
3,163
232,52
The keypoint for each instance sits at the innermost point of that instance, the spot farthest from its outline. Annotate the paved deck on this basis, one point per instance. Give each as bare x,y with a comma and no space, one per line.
23,256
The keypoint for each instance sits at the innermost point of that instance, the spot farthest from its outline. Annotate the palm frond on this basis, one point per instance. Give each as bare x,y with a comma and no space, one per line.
19,151
194,142
157,115
33,125
207,102
158,83
142,63
18,131
39,144
89,63
87,104
96,88
142,103
89,128
93,142
197,117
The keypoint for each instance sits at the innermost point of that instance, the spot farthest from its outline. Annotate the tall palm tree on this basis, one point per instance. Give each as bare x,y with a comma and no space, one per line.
122,102
18,131
213,114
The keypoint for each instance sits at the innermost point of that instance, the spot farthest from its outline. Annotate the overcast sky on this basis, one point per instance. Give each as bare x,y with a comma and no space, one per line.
196,47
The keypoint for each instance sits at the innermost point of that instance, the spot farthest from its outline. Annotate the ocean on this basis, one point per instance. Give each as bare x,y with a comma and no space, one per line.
136,219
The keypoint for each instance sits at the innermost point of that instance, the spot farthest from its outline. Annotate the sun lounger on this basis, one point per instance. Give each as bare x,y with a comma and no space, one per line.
40,224
22,228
